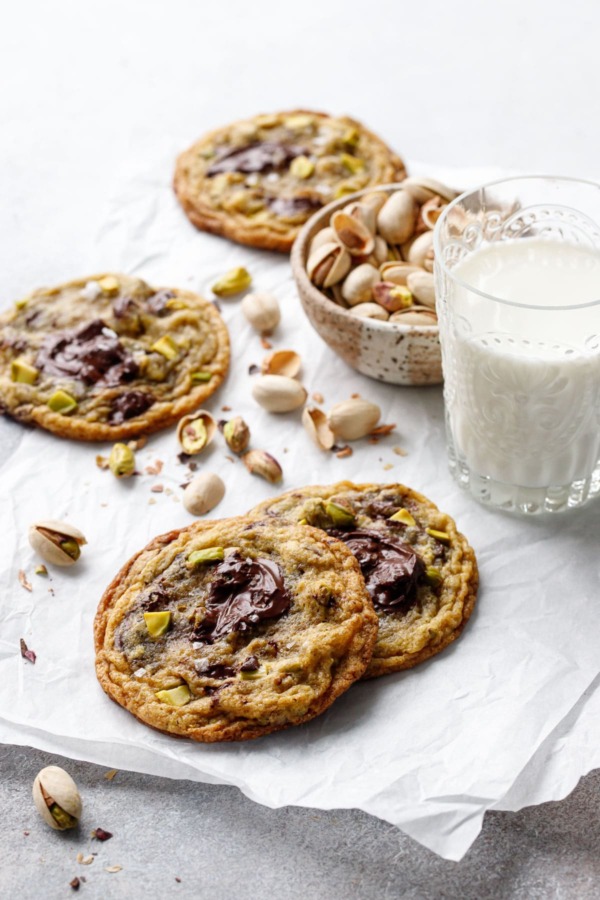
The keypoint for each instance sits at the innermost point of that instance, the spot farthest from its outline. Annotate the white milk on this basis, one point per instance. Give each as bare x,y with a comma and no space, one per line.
523,384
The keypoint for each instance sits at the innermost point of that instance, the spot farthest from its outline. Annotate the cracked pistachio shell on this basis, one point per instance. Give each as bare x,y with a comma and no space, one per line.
353,419
236,434
365,214
421,286
261,310
196,431
203,493
358,286
353,234
259,462
278,393
324,236
282,362
56,542
328,265
56,798
397,217
315,423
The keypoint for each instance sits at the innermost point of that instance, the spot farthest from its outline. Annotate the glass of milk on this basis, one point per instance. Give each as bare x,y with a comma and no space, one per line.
517,276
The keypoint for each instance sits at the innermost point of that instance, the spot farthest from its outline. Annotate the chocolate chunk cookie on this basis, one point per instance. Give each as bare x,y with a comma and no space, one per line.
420,572
257,181
109,358
231,629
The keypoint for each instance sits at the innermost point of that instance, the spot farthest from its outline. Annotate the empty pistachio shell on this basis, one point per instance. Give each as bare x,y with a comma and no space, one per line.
431,211
203,493
259,462
358,286
56,798
262,311
236,434
421,286
121,461
278,393
324,236
397,217
56,542
315,422
282,362
369,311
328,265
233,282
352,233
196,431
415,315
353,419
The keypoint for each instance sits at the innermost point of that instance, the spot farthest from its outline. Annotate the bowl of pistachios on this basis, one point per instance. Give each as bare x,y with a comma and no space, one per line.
363,266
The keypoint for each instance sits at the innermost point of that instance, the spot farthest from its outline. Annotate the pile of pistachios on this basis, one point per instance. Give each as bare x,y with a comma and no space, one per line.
375,257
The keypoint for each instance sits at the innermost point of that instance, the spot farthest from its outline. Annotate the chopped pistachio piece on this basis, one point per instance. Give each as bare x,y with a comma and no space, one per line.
109,284
302,167
157,623
403,516
61,402
166,346
41,570
303,522
211,554
352,163
233,282
298,121
175,303
401,293
177,696
200,377
442,536
351,137
21,304
433,576
339,515
23,372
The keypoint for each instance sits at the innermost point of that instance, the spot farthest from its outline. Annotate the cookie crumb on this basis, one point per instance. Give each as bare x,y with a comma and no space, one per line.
387,466
157,488
382,430
399,451
266,344
318,397
111,774
343,452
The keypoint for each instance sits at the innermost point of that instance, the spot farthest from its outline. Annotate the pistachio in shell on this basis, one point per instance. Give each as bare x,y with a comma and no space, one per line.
352,233
278,393
358,286
369,310
397,217
414,315
196,431
353,419
328,264
261,309
56,542
56,798
236,434
203,493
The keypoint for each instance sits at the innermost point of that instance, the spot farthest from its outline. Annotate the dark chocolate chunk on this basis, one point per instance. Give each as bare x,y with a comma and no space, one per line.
250,665
89,354
128,405
260,156
243,592
214,670
292,206
157,303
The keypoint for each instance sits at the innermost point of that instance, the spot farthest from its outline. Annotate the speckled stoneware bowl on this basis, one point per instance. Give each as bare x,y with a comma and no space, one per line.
391,352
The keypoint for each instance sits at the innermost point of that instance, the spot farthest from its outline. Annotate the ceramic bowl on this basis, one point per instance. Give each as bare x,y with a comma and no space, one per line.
391,352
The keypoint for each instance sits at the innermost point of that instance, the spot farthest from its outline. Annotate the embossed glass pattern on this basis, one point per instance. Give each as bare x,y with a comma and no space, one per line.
522,362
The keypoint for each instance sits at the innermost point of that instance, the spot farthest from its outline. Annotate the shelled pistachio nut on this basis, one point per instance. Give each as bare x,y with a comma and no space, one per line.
392,296
236,434
259,462
315,423
121,461
56,542
233,282
262,311
195,432
281,362
203,493
353,419
56,798
278,393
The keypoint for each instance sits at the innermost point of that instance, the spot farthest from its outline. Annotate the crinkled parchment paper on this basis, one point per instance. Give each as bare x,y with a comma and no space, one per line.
507,716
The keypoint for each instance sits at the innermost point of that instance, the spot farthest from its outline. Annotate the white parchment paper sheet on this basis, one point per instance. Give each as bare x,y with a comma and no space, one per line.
505,717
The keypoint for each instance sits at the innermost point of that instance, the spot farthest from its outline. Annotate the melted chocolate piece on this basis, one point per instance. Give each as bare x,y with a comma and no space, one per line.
261,156
292,206
390,567
243,591
382,509
128,405
250,665
156,599
214,670
124,306
89,354
157,303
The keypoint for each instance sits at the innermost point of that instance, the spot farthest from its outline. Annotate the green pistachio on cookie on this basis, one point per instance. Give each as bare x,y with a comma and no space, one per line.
109,284
302,167
403,516
433,576
441,536
352,163
339,515
351,137
121,461
233,282
177,696
157,623
211,554
166,346
23,372
61,402
201,377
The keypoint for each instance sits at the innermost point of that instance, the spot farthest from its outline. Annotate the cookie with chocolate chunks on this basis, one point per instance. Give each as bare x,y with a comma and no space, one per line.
231,629
257,181
109,357
420,571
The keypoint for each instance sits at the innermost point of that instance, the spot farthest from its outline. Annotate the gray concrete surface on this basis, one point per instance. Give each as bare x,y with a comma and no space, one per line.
223,846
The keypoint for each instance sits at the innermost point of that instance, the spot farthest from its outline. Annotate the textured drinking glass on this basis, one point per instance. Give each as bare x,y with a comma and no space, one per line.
517,277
